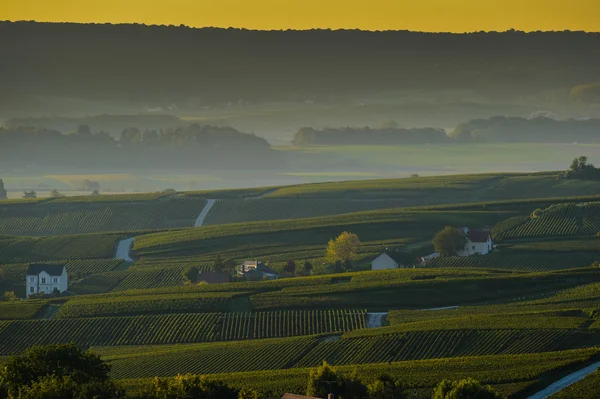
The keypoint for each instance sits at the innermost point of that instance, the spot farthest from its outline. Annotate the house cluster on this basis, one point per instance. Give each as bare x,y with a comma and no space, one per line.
477,242
46,279
256,270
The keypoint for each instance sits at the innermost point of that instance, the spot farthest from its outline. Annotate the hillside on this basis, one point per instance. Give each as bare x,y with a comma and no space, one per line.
528,309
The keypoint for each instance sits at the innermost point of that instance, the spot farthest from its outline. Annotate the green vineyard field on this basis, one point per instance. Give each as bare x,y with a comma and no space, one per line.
80,217
301,352
173,328
251,210
561,220
529,262
509,374
42,249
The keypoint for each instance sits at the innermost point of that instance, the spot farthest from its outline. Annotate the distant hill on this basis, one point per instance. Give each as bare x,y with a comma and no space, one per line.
133,62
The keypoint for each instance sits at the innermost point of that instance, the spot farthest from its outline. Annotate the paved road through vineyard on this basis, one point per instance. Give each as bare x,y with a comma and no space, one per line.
566,381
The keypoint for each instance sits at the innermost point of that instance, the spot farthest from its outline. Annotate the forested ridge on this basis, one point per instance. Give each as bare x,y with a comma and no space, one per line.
143,62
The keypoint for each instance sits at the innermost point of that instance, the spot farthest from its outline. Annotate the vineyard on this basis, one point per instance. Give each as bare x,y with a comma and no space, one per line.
560,220
20,310
147,304
302,352
66,216
509,374
529,262
251,210
173,328
42,249
279,236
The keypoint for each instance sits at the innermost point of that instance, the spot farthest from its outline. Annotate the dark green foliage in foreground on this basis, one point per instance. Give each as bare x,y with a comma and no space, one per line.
56,371
190,386
464,389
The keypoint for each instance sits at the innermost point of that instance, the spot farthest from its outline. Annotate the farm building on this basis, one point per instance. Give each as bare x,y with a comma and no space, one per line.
479,241
256,270
46,279
386,261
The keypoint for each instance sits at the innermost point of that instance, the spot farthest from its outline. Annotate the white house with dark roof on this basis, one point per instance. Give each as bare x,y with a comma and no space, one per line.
479,241
385,261
46,279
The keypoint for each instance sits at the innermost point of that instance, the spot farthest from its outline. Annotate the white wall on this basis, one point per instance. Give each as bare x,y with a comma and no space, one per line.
383,262
46,283
472,248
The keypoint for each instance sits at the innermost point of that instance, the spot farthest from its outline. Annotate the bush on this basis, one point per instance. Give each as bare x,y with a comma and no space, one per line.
191,274
464,389
191,386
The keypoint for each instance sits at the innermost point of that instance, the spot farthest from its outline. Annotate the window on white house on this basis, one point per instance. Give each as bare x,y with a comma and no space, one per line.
473,247
30,289
43,280
31,279
55,280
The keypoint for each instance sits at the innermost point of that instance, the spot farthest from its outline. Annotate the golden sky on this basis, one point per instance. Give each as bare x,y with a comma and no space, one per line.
422,15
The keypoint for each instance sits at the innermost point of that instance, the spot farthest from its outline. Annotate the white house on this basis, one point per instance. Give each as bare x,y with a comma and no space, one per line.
46,279
256,270
384,261
479,241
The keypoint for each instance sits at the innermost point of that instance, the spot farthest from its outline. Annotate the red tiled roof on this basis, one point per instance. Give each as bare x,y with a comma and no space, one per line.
478,235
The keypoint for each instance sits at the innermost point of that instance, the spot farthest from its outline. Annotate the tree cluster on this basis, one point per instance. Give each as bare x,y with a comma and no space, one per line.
367,136
516,129
189,146
162,63
581,169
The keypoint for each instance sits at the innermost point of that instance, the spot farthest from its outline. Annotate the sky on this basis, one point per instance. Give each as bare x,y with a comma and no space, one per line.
419,15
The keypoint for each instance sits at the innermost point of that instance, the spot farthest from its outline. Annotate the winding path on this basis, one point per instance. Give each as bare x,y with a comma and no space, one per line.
124,249
566,381
204,213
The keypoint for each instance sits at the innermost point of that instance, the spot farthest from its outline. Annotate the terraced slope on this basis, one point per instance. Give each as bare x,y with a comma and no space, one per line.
73,216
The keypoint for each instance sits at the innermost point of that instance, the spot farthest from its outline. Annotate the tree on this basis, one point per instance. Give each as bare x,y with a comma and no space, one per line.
55,193
386,387
308,268
66,363
191,386
95,193
343,248
449,241
84,129
324,380
191,274
29,194
290,268
218,264
464,389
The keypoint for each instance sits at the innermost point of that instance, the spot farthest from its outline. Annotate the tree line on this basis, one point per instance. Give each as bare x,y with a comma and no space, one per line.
495,129
65,371
184,146
135,61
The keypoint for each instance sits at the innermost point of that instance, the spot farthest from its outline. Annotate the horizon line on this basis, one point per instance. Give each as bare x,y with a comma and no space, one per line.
183,26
